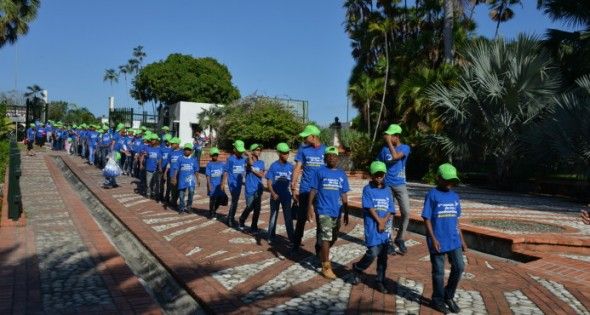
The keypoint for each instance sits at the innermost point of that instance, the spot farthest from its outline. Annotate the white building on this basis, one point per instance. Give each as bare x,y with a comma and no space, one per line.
183,116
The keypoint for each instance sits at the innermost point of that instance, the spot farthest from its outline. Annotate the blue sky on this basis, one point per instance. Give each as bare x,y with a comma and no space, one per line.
294,49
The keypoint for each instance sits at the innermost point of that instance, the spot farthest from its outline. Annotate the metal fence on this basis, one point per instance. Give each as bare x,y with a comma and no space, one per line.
14,173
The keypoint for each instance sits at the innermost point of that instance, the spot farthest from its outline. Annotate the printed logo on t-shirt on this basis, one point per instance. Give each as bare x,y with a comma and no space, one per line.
332,183
448,210
153,155
314,161
283,176
216,173
381,204
238,169
188,167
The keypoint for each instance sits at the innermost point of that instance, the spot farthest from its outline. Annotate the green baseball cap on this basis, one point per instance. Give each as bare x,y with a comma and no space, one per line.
331,150
394,129
214,151
310,130
283,147
175,140
144,128
32,125
239,146
255,146
188,146
166,128
377,166
168,137
448,172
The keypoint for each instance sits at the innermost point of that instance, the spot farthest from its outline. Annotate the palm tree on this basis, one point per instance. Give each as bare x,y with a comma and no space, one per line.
15,16
384,28
448,31
211,118
364,91
139,55
500,11
504,87
125,70
34,91
111,75
35,94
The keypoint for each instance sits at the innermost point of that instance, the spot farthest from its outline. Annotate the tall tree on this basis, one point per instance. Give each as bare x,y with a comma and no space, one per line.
364,91
448,31
185,78
111,75
15,16
500,11
139,55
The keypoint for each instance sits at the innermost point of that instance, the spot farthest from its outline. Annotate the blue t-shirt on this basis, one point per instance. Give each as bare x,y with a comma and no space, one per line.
121,144
443,209
48,128
396,169
187,167
31,134
106,139
92,138
173,160
153,155
136,144
311,159
330,184
235,167
165,155
280,176
253,182
381,200
214,171
40,132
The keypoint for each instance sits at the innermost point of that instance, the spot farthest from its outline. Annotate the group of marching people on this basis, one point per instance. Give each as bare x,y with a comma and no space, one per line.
313,188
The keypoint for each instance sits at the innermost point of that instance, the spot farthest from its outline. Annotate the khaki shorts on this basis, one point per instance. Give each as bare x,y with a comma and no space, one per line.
329,228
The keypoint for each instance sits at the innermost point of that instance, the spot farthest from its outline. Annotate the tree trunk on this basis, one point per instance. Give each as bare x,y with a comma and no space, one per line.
500,13
448,32
369,117
384,90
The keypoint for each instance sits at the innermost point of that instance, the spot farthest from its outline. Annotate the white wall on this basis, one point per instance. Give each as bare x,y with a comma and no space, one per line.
186,114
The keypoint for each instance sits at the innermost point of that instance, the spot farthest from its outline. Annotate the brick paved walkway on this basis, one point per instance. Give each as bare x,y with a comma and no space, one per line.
236,272
61,262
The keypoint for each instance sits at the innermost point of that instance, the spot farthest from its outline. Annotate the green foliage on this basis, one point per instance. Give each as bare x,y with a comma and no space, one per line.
15,16
4,155
504,87
361,152
69,113
261,120
184,78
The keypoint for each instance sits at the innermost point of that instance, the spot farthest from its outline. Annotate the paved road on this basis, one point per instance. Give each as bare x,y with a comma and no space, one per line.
235,271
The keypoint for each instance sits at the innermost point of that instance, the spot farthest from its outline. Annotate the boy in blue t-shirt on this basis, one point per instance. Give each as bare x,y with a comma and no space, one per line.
214,173
235,167
441,212
328,195
30,139
171,196
186,177
278,181
166,150
395,155
254,188
152,164
378,211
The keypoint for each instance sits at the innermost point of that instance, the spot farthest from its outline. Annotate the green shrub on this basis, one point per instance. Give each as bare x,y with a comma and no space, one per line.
4,153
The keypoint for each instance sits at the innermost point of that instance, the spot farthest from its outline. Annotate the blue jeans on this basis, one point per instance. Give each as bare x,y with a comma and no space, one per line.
379,252
189,203
274,213
235,197
440,293
252,204
91,150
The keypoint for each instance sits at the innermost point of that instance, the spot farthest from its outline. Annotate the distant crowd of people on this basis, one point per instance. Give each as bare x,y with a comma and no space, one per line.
311,189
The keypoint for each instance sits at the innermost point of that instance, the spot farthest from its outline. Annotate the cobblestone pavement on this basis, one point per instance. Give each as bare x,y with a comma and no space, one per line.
75,271
237,271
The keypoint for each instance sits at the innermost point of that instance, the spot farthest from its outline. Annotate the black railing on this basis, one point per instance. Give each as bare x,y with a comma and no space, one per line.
14,172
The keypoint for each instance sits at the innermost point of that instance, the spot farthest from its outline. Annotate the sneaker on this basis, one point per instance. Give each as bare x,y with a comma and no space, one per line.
241,226
453,307
440,307
381,288
401,244
391,249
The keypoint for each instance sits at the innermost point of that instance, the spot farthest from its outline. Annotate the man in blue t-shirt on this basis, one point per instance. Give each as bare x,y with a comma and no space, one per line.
214,173
92,139
166,149
105,147
327,201
309,159
171,196
441,212
395,155
235,168
278,182
186,177
378,211
254,188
